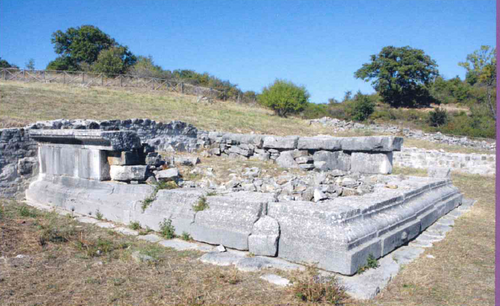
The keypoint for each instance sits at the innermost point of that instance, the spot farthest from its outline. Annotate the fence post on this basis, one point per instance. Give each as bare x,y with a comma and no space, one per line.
24,75
83,77
182,87
102,79
64,77
121,80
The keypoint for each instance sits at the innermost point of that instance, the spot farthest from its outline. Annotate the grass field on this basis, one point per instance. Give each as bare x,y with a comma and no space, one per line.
24,103
62,266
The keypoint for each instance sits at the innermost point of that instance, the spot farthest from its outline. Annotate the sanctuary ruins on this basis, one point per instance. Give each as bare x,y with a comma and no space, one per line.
333,201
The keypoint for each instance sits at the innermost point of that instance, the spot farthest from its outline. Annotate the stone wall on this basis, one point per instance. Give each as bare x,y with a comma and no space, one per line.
342,126
483,164
18,153
322,153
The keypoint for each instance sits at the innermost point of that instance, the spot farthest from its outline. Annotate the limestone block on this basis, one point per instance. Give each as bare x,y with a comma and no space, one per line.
286,160
128,173
281,143
372,144
304,159
229,218
168,174
264,238
324,161
240,151
174,204
376,163
319,143
439,172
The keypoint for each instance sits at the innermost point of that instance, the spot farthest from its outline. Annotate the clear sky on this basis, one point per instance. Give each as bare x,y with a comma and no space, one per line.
318,44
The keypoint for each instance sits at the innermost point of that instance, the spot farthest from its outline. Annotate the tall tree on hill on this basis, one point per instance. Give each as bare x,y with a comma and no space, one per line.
401,76
481,69
5,64
81,46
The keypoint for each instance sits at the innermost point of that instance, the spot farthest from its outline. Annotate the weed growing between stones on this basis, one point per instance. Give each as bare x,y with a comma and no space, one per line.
211,194
25,211
201,205
310,287
98,215
158,186
371,263
185,236
135,226
167,230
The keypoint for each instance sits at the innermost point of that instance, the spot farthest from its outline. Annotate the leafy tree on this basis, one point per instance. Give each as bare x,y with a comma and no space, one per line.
82,45
30,65
5,64
63,63
112,61
438,117
363,107
145,67
284,97
401,76
481,69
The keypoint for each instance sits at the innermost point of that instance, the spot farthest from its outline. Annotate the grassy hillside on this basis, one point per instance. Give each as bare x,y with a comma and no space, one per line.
23,103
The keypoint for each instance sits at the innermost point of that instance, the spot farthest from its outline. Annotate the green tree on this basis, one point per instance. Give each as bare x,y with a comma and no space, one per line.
401,76
284,97
30,65
112,61
481,69
82,45
63,63
363,107
5,64
145,67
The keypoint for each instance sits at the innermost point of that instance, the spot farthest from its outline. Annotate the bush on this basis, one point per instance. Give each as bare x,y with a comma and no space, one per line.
167,230
313,111
310,287
201,205
362,108
438,117
284,98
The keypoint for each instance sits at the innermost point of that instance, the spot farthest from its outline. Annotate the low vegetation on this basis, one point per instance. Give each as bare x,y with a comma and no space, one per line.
312,288
65,262
167,230
371,263
201,205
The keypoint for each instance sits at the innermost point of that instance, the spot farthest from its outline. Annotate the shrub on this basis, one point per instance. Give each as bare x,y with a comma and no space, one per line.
371,263
284,97
167,230
25,211
312,288
135,226
186,236
362,108
438,117
201,205
99,215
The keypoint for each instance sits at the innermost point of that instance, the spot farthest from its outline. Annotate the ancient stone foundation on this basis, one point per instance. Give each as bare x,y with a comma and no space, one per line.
80,170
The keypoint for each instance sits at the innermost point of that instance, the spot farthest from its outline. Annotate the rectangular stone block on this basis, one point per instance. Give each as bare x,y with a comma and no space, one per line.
280,143
372,144
371,163
230,218
128,173
325,160
319,143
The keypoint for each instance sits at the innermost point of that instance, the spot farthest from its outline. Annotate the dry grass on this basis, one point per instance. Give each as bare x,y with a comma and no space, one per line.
463,270
24,103
62,272
65,272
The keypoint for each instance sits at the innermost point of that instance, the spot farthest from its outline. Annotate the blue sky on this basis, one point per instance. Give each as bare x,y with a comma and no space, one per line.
318,44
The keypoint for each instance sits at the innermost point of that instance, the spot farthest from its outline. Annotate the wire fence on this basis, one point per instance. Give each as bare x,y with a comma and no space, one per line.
88,79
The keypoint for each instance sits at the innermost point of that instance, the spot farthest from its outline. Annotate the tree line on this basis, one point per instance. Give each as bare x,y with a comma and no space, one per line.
401,76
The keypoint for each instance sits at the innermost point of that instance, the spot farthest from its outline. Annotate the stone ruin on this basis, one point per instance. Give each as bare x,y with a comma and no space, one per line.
96,170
